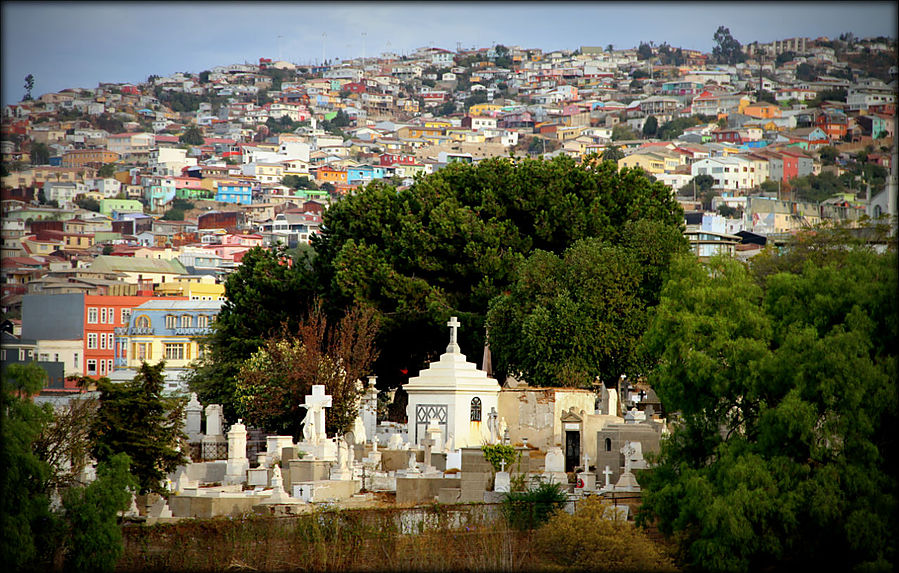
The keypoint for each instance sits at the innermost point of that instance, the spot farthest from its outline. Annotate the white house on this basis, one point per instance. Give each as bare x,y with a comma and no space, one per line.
455,394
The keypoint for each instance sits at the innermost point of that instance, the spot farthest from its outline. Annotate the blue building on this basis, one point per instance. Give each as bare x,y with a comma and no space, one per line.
233,192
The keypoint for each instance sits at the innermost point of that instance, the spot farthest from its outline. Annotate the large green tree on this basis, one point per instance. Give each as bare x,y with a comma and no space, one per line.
573,319
266,293
785,385
135,418
450,243
727,49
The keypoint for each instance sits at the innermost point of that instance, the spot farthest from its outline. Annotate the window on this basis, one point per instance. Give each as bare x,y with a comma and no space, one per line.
91,366
109,366
110,314
143,321
174,351
91,340
92,316
75,361
608,444
202,321
102,367
22,354
103,315
185,321
126,315
170,321
102,341
476,409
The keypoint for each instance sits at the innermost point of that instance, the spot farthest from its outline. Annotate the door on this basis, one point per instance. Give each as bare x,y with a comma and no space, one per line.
572,450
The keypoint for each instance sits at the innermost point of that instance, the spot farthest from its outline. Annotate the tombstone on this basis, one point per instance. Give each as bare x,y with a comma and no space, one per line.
608,473
132,510
554,466
341,471
193,418
427,443
448,446
434,433
213,438
273,449
213,420
369,410
503,480
454,460
413,466
317,402
493,435
258,477
586,481
238,464
395,442
159,509
358,433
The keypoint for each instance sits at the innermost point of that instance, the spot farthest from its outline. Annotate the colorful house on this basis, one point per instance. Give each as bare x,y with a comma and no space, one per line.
236,192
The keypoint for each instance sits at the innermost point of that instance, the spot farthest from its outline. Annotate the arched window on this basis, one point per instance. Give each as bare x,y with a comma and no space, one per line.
475,409
142,321
608,444
170,321
185,321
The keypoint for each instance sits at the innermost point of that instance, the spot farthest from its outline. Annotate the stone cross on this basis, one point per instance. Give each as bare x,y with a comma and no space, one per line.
502,464
318,401
586,462
453,324
628,450
427,443
374,444
608,473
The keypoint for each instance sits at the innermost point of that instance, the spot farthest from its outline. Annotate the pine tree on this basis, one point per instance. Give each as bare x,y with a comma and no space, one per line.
136,419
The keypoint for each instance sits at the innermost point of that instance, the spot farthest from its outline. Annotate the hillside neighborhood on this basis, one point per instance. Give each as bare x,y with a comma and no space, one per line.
127,207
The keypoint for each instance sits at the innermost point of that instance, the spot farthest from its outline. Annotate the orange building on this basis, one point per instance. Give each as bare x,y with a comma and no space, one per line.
102,314
762,110
328,174
89,157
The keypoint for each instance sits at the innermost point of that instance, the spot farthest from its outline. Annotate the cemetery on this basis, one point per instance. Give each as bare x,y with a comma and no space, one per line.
572,437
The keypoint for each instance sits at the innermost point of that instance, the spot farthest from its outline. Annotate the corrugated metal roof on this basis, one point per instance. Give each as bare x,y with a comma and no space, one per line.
110,263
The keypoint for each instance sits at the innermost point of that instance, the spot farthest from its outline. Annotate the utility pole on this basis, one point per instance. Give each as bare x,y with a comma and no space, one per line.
363,54
324,35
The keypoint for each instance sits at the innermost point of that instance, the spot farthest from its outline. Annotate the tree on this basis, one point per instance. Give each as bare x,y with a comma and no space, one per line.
786,394
272,383
94,537
623,131
298,182
572,319
29,85
644,51
88,203
266,291
727,50
25,518
40,153
450,243
650,127
697,186
828,155
192,136
106,170
204,76
134,418
612,153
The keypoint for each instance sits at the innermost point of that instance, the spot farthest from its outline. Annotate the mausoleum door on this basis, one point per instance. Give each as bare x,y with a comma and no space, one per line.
572,449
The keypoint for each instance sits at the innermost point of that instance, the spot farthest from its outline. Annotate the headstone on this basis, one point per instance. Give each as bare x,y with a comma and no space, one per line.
448,446
359,433
194,418
257,477
317,402
454,460
434,433
213,420
374,444
341,471
369,410
160,509
395,442
273,448
502,482
238,464
554,466
492,426
608,473
586,481
279,496
427,443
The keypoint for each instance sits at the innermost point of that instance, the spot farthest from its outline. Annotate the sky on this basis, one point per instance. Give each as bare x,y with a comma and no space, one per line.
80,44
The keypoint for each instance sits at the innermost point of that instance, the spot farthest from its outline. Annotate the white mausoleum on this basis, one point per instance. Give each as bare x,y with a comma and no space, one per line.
454,393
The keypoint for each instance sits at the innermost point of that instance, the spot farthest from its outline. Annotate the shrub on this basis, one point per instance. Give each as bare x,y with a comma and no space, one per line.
529,509
497,452
595,538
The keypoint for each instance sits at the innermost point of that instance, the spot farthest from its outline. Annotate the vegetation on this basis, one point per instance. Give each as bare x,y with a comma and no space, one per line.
496,453
727,49
192,136
787,405
596,538
89,203
573,319
525,510
134,418
298,182
272,383
106,170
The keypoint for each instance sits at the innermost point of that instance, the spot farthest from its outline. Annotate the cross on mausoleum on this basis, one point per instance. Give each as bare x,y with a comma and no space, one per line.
453,324
607,472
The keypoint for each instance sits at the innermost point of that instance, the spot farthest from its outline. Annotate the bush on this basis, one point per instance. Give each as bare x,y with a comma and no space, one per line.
530,509
595,538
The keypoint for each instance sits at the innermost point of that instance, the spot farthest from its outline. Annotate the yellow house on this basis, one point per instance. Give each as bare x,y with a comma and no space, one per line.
653,162
201,287
483,108
438,123
762,110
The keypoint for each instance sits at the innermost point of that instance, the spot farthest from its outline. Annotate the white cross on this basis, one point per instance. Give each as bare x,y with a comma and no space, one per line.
453,324
502,464
318,398
586,462
607,472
